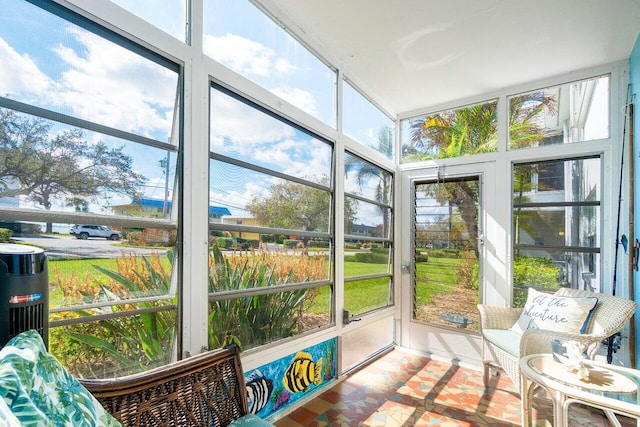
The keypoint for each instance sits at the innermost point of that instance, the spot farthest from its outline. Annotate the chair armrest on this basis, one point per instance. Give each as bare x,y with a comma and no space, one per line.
535,341
494,317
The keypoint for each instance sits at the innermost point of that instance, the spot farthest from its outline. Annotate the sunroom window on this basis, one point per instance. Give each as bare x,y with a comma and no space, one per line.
557,233
171,17
572,112
365,122
89,150
240,36
368,248
452,133
270,264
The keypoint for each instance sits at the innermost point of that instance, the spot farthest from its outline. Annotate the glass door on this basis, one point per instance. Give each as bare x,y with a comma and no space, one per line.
446,238
444,256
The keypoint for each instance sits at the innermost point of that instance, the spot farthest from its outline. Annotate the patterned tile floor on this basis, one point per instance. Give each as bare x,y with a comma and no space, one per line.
406,389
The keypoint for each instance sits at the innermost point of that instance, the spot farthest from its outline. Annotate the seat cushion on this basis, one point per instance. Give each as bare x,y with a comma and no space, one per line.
554,313
504,339
250,420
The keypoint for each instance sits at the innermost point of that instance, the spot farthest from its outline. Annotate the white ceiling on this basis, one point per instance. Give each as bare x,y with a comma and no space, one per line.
412,54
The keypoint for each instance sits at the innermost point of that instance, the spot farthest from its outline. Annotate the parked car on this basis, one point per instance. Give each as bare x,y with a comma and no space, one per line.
86,231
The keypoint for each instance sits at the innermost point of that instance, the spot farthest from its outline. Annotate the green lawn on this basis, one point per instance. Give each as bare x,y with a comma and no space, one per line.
435,277
352,269
360,296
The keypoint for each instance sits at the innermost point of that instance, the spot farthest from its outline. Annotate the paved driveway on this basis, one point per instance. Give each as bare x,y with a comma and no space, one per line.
70,247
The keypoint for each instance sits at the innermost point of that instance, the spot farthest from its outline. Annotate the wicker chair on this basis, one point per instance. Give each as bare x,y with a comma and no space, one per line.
609,316
204,390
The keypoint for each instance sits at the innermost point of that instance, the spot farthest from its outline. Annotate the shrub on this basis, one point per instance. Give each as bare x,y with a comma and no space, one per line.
318,244
20,227
225,242
371,258
5,235
267,238
444,253
539,273
256,319
290,243
126,344
422,258
135,238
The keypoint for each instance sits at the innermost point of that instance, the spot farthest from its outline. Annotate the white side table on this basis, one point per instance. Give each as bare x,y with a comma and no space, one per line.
613,389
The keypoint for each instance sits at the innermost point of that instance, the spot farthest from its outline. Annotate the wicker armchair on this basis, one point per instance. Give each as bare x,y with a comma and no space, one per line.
204,390
609,316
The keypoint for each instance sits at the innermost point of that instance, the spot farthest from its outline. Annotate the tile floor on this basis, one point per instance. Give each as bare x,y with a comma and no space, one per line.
406,389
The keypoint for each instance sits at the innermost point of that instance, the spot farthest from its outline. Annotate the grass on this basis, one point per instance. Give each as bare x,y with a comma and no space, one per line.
361,268
433,277
364,295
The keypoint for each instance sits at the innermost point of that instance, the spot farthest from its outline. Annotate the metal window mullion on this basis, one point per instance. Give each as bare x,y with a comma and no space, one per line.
367,277
266,171
113,303
266,290
581,249
84,124
266,230
37,215
367,238
585,203
366,200
107,316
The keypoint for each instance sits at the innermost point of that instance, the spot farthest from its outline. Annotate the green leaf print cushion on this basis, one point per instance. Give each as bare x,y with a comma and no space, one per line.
36,390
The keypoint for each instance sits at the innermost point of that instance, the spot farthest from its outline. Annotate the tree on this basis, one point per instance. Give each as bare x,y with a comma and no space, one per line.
45,167
366,171
295,206
455,133
473,130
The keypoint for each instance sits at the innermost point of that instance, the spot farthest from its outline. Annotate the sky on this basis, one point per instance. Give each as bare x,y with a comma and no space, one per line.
53,64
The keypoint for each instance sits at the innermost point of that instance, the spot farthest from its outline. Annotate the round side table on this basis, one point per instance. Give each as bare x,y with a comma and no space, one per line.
613,389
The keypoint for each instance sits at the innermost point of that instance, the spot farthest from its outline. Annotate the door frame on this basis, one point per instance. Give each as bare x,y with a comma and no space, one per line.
451,343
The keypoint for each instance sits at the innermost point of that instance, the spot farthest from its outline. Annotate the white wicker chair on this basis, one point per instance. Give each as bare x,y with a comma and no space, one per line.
609,316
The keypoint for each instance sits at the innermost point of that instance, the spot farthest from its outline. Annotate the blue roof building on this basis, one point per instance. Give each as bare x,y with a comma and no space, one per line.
156,207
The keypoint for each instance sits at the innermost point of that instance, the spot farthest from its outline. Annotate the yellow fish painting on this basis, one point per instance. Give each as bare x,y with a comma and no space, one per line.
302,373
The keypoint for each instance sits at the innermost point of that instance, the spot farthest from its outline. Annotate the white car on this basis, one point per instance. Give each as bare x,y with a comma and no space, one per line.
86,231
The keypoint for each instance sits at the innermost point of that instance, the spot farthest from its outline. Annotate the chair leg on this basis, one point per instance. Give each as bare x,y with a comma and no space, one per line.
485,376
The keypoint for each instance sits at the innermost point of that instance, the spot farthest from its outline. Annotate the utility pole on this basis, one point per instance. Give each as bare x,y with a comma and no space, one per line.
164,163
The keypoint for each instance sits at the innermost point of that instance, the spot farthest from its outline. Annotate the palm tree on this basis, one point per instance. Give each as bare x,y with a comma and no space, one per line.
455,133
367,171
473,130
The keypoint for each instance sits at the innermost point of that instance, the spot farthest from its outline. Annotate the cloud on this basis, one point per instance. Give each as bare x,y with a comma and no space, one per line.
242,126
110,85
245,56
20,78
261,64
299,97
233,200
101,82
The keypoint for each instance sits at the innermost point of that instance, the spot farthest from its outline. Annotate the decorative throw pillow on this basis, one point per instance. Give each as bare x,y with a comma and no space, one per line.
40,392
554,313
